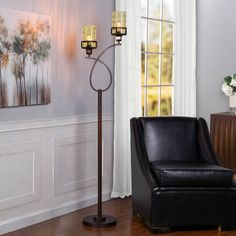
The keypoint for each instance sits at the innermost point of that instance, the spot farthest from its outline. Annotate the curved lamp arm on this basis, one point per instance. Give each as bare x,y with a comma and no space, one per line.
96,60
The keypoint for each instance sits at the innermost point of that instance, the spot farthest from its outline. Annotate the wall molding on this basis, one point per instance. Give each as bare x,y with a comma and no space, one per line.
52,122
47,214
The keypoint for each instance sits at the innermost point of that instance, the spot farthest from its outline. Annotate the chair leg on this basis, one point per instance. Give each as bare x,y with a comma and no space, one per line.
159,230
136,214
156,230
227,227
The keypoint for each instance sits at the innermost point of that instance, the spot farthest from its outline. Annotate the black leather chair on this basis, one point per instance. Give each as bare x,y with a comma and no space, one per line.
177,180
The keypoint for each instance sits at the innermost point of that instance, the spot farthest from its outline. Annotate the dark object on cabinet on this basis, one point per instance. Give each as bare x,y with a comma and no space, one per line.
223,134
176,178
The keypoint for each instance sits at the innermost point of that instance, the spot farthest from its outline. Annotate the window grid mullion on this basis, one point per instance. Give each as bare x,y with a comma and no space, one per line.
158,53
145,92
154,19
146,62
160,62
158,85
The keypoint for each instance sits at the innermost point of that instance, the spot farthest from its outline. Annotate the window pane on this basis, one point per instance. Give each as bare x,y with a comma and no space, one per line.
144,90
144,8
166,100
167,37
153,36
154,9
167,69
157,56
152,101
143,64
168,10
153,69
143,34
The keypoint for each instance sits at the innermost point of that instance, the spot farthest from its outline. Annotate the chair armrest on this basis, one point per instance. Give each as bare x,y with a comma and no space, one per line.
139,157
143,182
206,149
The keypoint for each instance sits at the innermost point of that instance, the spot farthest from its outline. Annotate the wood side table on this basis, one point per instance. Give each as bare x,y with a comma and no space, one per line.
223,135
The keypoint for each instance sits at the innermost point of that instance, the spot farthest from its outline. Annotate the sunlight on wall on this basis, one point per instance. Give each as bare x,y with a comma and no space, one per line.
65,36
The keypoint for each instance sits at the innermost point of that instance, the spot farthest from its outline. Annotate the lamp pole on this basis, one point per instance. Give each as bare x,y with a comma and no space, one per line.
89,43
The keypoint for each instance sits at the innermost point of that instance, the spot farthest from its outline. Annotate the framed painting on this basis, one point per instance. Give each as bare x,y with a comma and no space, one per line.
25,55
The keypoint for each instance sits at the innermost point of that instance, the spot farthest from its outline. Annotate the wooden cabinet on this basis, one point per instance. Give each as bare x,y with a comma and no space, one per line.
223,134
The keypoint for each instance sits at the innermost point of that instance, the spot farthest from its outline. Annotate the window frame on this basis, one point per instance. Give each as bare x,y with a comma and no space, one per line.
160,53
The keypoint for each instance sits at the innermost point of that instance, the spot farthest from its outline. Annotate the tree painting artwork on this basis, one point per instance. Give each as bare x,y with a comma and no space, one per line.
25,46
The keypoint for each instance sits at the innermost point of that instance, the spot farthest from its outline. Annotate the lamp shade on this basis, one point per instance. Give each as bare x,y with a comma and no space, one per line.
119,19
89,33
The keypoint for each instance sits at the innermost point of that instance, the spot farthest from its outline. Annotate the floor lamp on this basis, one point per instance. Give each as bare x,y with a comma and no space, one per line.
89,43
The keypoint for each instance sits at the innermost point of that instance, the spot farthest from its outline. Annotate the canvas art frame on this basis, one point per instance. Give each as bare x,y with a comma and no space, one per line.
25,58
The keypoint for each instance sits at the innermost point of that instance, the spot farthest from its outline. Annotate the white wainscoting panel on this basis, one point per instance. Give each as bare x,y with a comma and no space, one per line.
19,174
75,163
49,168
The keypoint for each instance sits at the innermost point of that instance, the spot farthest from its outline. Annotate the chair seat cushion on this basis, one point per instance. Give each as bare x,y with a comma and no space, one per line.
191,174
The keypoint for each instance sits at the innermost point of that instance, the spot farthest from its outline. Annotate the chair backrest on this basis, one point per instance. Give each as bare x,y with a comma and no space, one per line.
171,138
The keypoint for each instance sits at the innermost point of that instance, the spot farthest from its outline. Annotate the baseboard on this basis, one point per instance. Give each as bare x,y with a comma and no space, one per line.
46,214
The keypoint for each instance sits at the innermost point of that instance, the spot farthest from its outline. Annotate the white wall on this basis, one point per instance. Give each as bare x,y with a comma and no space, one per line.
49,168
48,154
216,50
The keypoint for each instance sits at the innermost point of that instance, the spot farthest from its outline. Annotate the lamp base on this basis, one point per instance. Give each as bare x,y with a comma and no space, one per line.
99,222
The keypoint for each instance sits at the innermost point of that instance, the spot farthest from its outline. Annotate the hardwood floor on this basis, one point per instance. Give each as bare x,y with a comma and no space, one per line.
71,224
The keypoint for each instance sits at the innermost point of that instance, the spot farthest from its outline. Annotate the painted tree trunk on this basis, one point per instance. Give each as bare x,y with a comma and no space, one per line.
43,88
23,72
21,92
37,99
1,82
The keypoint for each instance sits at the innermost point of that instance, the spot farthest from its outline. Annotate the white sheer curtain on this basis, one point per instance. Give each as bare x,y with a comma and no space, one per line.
185,58
128,82
127,96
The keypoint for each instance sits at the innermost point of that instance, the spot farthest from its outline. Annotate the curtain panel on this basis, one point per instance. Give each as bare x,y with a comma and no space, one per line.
128,81
127,96
185,58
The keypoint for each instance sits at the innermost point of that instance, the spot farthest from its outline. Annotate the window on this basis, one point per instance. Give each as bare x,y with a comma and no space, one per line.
157,57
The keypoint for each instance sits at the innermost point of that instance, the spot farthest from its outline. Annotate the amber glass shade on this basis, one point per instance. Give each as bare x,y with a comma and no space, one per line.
119,19
119,23
89,33
89,38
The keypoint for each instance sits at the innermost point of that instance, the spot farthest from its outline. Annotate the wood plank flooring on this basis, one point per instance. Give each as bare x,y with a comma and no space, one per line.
71,224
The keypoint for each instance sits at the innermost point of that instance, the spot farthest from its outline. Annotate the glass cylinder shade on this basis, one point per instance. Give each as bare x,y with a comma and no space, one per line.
119,19
89,33
119,24
89,38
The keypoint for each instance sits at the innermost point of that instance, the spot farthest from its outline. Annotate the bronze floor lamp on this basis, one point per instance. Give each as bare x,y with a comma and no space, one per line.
89,43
